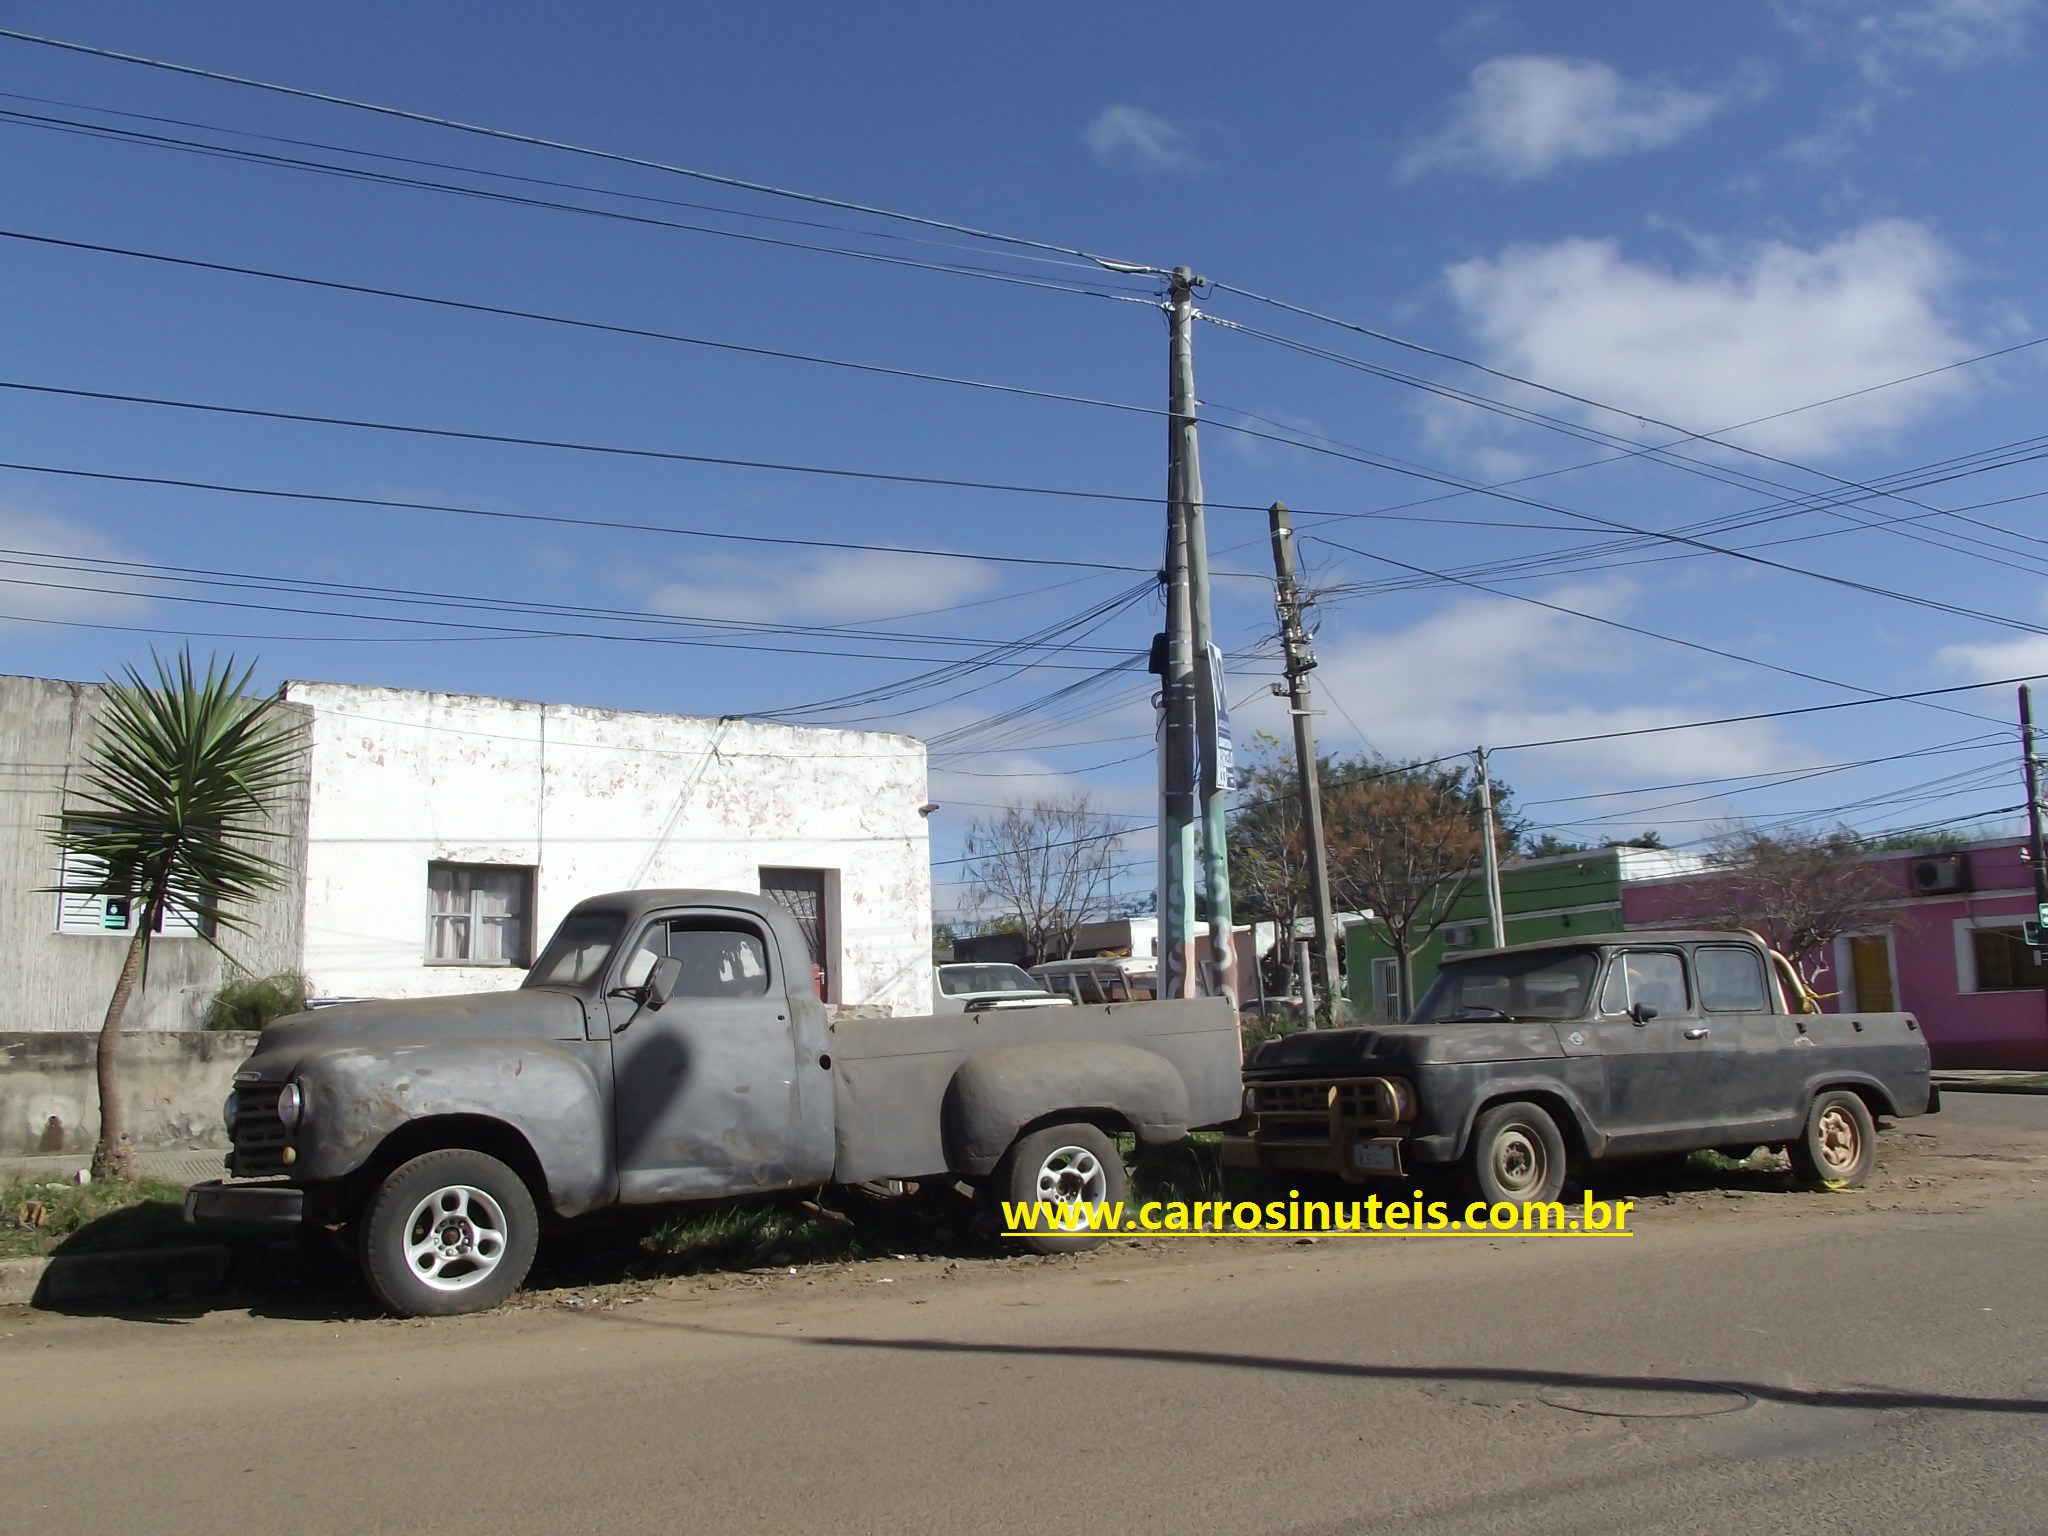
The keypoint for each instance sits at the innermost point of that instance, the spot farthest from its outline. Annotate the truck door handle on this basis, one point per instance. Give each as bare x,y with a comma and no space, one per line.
1696,1034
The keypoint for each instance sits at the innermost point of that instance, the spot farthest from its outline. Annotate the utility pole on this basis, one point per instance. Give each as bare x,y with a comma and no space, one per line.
2036,856
1495,921
1212,707
1298,664
1173,659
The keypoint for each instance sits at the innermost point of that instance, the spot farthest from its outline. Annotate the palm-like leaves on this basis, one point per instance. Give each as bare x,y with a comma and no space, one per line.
174,802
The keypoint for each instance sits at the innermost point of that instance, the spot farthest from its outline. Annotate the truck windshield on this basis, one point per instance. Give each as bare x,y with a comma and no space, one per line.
1549,984
578,950
962,980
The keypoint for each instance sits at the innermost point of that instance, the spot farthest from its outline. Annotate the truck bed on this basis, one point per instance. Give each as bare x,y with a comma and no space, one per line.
900,1096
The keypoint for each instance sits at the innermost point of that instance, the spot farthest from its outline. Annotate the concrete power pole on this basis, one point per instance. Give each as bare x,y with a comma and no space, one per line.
2034,837
1174,661
1212,708
1495,921
1299,663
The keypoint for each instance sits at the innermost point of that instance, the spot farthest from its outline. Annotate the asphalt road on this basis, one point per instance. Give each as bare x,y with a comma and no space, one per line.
1753,1360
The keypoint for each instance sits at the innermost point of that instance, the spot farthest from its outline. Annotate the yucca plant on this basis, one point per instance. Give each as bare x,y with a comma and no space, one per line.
170,812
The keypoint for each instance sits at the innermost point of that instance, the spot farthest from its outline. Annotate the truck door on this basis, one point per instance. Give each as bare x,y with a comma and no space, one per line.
705,1100
1743,1072
1646,1060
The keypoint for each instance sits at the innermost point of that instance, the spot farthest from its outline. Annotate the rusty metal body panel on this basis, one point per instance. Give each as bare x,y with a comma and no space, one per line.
924,1096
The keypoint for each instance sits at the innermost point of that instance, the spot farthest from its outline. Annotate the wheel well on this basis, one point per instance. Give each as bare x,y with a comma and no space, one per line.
1553,1104
440,1133
1108,1121
1873,1099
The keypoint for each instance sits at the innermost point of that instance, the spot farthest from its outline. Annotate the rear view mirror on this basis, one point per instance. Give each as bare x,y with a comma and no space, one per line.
1642,1013
661,981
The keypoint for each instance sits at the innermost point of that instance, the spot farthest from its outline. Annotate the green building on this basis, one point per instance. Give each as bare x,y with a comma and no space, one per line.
1560,897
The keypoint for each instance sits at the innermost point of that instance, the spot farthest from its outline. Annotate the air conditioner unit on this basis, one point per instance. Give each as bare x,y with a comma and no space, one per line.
1461,935
1941,875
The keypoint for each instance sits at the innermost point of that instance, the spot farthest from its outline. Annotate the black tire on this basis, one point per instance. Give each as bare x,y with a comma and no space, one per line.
1517,1156
396,1221
1065,1163
1839,1144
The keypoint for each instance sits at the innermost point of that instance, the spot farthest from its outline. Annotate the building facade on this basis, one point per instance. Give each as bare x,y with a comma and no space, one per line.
1945,945
440,837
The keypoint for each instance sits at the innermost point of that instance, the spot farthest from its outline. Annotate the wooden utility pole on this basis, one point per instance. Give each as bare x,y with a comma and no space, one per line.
1496,922
1298,663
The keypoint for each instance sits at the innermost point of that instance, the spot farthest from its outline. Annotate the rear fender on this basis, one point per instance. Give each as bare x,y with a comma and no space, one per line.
996,1094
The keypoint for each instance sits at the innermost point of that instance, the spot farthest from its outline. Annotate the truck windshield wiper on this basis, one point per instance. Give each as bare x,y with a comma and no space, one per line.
1483,1011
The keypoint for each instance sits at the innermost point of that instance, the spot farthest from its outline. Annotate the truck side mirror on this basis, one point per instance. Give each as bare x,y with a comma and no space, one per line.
1642,1013
661,981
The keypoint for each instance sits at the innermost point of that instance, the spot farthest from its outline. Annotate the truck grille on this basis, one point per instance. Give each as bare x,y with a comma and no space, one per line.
1317,1111
259,1134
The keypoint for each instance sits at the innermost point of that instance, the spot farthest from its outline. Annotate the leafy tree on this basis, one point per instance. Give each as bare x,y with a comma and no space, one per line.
1405,847
1551,846
173,803
1047,867
1402,844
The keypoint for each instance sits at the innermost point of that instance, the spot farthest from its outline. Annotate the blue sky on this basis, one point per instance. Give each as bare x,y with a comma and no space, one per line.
1701,216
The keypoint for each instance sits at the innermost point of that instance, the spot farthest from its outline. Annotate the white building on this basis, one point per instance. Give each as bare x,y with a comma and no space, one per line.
437,838
448,833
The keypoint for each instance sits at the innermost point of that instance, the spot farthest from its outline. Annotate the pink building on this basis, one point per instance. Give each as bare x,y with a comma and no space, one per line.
1951,953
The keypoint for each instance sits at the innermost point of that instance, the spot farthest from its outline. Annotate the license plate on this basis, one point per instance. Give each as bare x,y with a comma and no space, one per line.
1372,1158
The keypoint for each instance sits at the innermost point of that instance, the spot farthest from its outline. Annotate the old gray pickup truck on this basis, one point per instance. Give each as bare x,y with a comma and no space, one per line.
669,1047
1523,1065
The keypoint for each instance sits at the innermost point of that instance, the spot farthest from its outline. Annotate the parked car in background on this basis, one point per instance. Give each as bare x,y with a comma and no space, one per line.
978,987
1099,981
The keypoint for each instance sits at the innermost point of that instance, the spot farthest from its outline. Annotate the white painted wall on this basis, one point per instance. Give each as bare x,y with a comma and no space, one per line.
599,800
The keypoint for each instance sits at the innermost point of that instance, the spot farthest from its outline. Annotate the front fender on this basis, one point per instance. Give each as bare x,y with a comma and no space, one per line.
1455,1129
549,1093
997,1093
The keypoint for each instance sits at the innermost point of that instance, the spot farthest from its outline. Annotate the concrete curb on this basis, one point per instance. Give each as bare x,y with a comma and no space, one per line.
1979,1085
156,1274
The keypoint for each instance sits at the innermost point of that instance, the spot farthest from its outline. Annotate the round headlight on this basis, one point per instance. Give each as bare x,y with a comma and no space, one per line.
291,1105
1250,1102
227,1113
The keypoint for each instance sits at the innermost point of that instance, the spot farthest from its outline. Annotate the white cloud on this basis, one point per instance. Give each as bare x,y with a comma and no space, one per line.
1523,117
1495,671
1123,135
2022,656
1743,334
1886,40
822,586
42,542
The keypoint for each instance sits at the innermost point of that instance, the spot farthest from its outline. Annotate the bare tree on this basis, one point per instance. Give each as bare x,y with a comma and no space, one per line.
1801,890
1405,846
1048,866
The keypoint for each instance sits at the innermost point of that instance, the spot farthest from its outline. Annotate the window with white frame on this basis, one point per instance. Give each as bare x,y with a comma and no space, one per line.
1992,956
86,906
479,914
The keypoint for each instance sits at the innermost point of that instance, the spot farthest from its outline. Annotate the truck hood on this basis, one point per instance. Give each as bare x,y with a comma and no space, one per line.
1395,1047
521,1016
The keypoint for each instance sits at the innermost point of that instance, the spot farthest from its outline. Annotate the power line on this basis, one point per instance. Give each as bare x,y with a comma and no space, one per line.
1637,629
534,140
615,524
642,333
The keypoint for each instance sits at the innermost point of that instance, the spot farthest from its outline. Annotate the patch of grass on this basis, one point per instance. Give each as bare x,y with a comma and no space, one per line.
38,1217
1759,1161
747,1237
